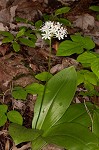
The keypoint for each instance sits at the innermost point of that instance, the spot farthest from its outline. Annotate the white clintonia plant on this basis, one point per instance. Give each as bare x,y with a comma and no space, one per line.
53,29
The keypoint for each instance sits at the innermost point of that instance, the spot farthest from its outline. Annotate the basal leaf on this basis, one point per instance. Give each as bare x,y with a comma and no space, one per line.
62,10
95,67
38,143
72,136
61,88
16,46
67,48
95,126
19,93
21,134
15,117
27,42
77,113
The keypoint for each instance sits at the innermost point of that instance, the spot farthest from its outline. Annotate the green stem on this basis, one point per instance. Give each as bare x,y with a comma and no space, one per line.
49,65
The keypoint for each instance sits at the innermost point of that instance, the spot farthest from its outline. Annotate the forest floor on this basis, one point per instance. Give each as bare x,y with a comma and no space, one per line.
21,67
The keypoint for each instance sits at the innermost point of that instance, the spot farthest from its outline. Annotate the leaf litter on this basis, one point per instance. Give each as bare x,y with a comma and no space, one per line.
15,69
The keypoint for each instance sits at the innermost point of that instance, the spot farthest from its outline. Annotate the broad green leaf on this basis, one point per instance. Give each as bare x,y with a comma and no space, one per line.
62,10
3,109
21,134
31,35
61,88
7,40
64,21
95,126
88,86
86,42
86,57
97,17
27,42
20,33
72,136
38,143
95,67
16,46
67,48
19,19
3,119
15,117
77,113
90,77
80,78
35,88
38,24
44,76
94,8
7,34
19,93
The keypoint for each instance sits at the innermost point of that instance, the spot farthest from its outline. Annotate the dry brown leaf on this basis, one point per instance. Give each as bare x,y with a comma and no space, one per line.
4,49
12,12
84,21
2,28
5,15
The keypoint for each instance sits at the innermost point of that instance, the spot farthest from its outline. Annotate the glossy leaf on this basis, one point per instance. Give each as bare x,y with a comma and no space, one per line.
16,46
67,48
27,42
19,93
15,117
77,113
21,134
38,143
72,136
44,76
62,10
61,88
95,67
95,126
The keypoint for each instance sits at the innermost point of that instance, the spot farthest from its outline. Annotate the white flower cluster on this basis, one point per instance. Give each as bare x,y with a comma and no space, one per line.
53,29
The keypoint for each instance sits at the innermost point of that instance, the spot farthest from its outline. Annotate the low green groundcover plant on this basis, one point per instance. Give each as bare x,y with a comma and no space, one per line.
57,119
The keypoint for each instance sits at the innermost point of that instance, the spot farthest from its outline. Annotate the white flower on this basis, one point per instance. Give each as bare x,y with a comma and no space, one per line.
53,29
